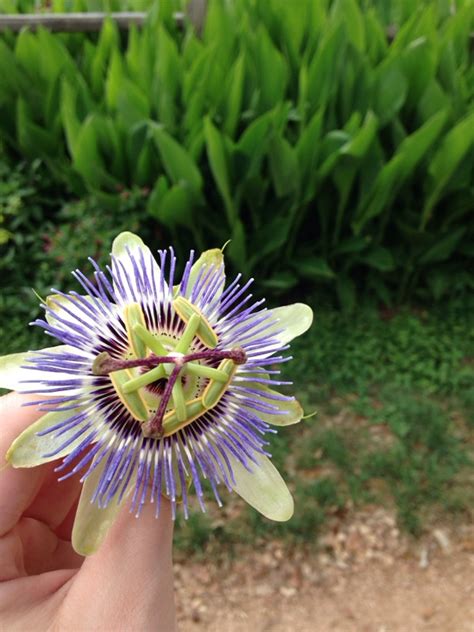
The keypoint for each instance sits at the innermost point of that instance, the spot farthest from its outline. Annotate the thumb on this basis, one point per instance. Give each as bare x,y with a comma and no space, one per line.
128,583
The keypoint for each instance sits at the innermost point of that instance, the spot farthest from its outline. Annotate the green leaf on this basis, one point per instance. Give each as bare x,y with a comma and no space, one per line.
219,163
272,71
282,281
398,169
283,166
346,293
323,72
314,268
33,139
234,98
390,91
443,248
132,104
358,145
455,145
379,258
349,12
269,238
175,206
178,163
237,248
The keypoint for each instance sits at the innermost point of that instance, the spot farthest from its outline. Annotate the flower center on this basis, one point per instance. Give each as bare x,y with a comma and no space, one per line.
175,405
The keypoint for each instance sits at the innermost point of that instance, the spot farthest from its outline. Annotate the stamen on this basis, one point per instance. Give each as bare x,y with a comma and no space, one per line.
205,332
143,380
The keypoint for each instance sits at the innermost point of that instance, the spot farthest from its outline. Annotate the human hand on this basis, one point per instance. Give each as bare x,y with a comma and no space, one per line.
44,584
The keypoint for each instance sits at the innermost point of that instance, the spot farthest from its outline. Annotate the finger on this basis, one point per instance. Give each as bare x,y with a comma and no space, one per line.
54,500
31,548
43,551
130,578
17,487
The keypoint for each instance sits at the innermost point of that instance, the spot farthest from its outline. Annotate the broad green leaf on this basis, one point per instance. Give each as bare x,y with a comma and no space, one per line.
358,145
314,268
455,145
398,169
33,139
132,104
379,258
323,72
390,91
443,247
346,293
272,71
283,166
234,98
219,163
178,163
176,206
349,12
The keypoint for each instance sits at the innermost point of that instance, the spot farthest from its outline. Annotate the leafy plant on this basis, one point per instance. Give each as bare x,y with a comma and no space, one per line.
333,144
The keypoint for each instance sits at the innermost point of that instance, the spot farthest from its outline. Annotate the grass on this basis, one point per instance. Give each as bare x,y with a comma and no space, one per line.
395,425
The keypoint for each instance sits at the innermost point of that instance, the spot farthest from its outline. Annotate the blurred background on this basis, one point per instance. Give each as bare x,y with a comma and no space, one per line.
333,142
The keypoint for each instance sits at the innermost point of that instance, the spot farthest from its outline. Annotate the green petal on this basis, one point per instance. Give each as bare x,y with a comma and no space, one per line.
263,488
214,257
12,373
28,449
92,523
293,319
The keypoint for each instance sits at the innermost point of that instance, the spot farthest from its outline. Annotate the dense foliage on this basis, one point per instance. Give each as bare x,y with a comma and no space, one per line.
328,148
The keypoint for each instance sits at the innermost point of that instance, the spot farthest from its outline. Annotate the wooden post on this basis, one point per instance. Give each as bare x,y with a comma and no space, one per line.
68,22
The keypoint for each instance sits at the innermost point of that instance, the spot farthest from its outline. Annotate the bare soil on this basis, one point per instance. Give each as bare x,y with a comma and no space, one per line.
364,576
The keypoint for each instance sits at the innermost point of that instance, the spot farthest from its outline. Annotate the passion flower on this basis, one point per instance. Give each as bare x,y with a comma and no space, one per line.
157,386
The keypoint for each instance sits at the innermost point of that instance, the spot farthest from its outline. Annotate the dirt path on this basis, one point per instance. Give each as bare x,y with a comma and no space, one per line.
367,578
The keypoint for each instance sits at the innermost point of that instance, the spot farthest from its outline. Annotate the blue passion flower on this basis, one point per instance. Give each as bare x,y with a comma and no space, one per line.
157,386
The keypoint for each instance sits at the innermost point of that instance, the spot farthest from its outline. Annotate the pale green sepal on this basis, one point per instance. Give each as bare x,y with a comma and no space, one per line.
263,488
294,320
12,374
292,409
28,449
92,523
213,257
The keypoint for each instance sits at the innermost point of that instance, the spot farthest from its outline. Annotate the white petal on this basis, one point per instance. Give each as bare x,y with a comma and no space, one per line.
209,259
12,374
72,307
294,320
92,523
263,488
125,246
28,449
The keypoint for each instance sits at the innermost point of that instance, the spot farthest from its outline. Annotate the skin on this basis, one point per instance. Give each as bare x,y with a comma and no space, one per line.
44,585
